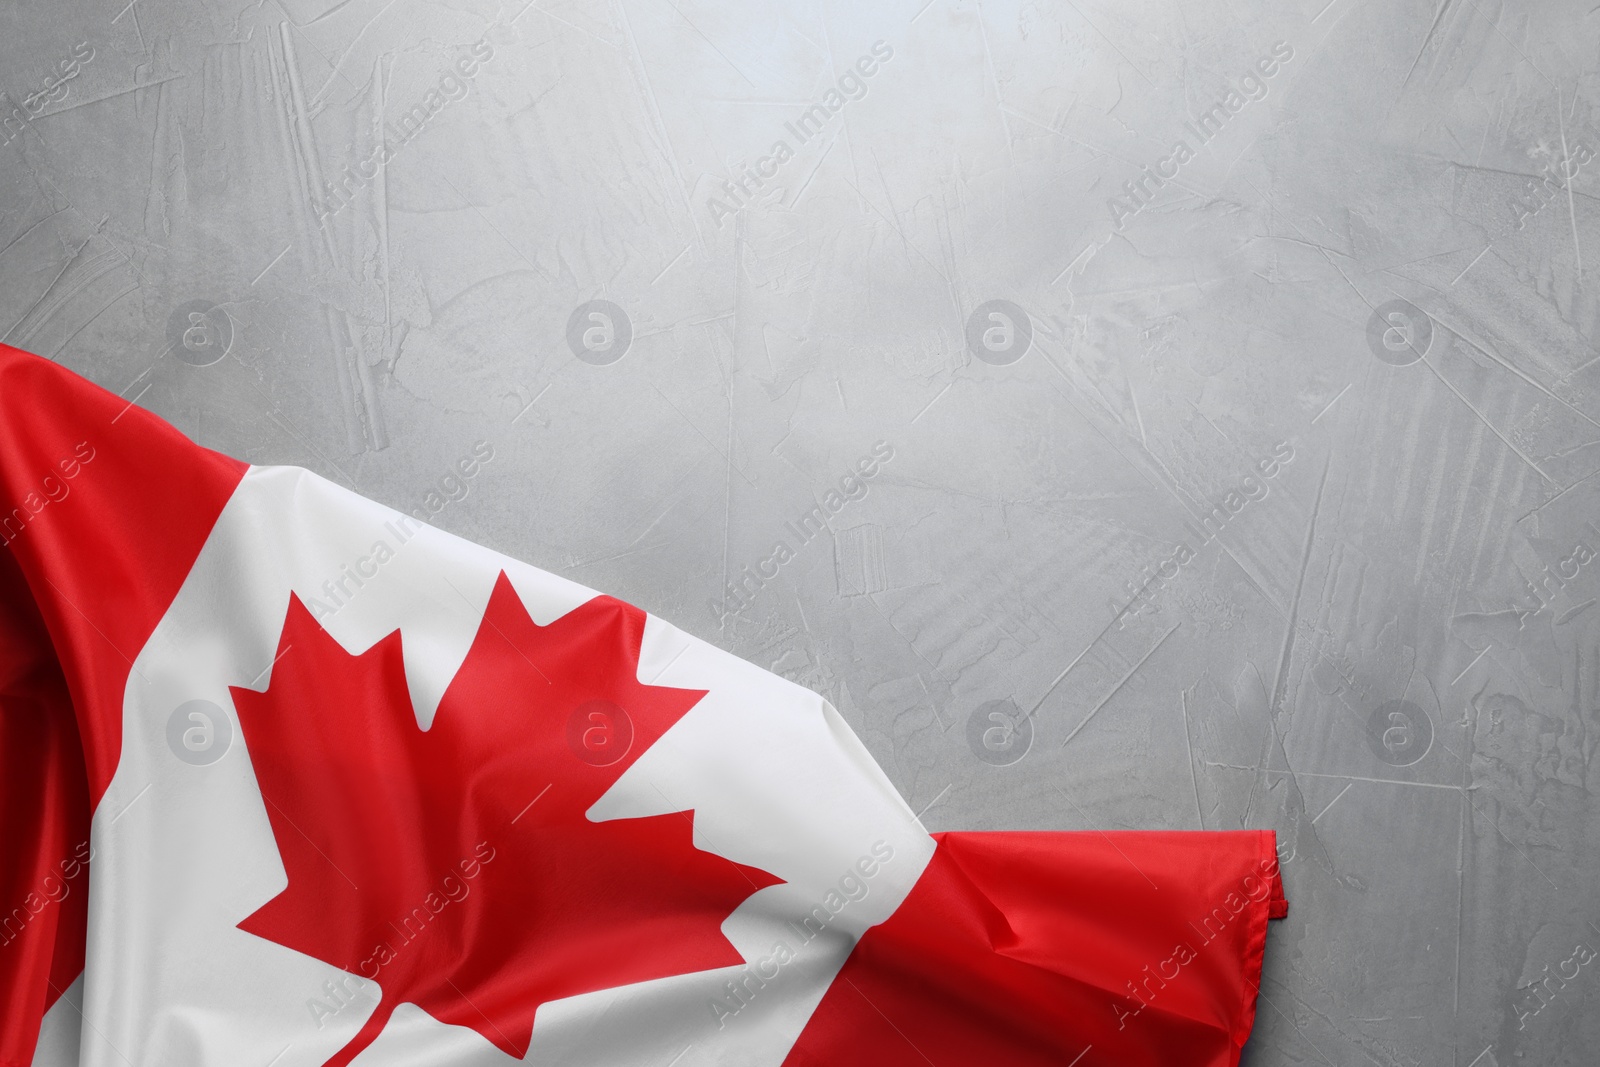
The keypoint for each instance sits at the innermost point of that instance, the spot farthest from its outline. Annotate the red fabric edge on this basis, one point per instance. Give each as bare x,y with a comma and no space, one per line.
1276,906
1013,947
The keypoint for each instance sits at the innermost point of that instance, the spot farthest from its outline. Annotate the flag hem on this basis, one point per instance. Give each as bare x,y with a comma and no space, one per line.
1274,906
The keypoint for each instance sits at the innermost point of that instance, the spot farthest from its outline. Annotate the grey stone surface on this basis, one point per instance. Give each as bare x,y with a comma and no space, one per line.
1353,306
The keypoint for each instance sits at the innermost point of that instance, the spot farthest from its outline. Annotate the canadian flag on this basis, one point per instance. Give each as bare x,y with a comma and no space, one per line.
290,778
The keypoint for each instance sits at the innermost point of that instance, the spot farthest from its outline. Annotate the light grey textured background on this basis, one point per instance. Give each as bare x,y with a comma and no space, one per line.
169,158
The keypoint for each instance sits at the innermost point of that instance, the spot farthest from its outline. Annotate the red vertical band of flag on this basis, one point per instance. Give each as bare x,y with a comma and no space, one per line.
103,509
1132,949
44,808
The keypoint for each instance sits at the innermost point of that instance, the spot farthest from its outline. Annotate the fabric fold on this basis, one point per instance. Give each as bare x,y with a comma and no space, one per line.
1123,947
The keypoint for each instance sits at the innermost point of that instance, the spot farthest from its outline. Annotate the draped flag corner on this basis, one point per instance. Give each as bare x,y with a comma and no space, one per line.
287,773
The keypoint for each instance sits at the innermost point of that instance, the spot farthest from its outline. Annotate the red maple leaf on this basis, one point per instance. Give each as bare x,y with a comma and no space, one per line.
456,866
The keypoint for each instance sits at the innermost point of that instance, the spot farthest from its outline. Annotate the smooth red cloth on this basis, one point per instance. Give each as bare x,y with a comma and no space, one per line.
44,808
103,509
1133,949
